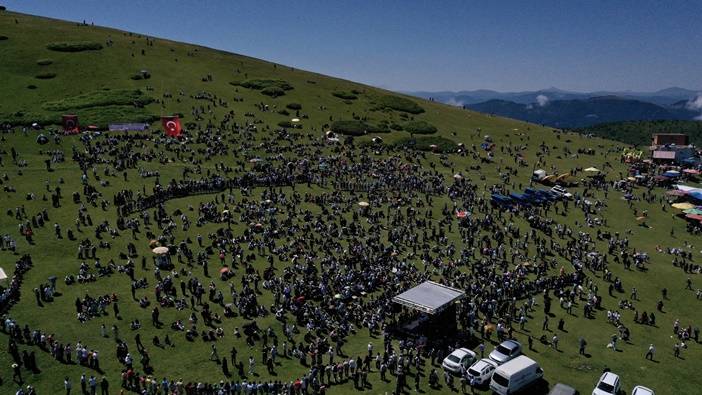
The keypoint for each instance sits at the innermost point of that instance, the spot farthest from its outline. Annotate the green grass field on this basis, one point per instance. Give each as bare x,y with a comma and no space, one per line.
96,84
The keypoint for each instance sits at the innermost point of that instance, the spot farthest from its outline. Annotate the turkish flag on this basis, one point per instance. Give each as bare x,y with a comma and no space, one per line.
171,125
70,124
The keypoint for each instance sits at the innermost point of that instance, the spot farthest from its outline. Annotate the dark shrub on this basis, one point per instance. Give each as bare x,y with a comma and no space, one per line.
77,46
261,83
425,143
344,95
126,97
419,127
273,91
45,76
399,104
357,128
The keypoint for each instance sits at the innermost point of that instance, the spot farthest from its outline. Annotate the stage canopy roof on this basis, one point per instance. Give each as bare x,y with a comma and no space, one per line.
429,297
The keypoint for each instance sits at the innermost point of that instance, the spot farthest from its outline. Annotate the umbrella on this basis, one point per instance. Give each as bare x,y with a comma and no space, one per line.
675,192
694,211
461,214
697,217
160,250
224,270
254,160
363,204
295,120
592,170
683,206
153,243
41,139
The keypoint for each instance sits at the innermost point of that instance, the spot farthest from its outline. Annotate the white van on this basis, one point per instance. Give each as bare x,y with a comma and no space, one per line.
515,375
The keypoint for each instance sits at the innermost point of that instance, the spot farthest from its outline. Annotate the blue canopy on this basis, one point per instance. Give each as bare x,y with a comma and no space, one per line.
697,195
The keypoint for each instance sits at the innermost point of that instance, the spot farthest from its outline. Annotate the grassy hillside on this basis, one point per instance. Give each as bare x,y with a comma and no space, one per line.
100,75
639,132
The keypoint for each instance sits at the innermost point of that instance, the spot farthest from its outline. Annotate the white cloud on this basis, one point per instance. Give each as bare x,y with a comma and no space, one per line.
695,104
453,102
542,100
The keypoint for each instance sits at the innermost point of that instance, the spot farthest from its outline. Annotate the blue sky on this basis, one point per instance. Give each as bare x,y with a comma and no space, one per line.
432,45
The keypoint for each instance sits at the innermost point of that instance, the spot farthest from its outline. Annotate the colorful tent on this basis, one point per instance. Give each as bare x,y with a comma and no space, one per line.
683,206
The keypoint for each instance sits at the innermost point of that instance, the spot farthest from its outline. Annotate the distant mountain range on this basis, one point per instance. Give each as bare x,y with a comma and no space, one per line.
565,109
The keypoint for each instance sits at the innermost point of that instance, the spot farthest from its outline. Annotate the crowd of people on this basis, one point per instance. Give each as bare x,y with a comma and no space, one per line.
324,262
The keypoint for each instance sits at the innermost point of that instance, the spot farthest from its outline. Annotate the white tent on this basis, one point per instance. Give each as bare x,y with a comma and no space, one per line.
3,275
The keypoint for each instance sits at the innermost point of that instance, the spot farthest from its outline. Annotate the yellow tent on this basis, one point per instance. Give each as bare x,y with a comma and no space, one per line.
683,206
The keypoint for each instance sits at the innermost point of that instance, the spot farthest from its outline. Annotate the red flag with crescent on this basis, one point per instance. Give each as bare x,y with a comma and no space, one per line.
70,124
171,125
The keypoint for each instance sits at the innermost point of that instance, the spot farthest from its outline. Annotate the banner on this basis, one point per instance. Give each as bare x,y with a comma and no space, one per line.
171,125
70,124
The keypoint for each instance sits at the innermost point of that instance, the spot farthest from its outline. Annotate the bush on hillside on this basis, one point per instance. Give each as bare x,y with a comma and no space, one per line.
76,46
357,128
133,97
294,106
273,91
344,95
419,127
45,76
399,104
262,83
44,62
425,143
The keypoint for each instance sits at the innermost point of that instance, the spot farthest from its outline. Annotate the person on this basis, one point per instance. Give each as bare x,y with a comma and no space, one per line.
92,383
104,386
67,385
650,352
213,354
582,344
554,342
17,373
531,344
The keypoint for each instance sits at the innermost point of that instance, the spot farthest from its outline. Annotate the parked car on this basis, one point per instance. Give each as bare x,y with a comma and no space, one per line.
562,389
608,384
562,192
515,375
459,357
482,370
641,390
505,351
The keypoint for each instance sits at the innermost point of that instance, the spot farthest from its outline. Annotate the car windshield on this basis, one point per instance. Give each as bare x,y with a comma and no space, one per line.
606,387
502,349
500,380
473,372
453,358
